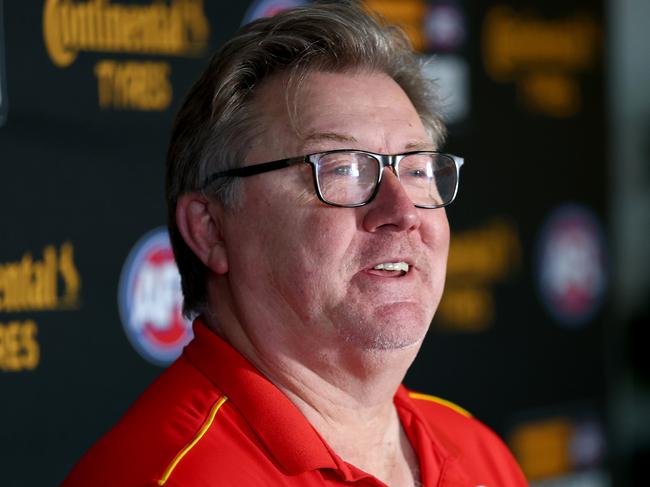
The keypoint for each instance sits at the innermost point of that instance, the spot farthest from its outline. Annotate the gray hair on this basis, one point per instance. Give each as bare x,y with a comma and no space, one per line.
215,124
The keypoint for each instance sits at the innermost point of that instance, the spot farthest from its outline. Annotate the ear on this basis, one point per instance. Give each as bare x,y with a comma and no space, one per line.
199,221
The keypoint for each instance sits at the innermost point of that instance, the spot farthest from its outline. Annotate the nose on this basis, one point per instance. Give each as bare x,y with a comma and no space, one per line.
391,209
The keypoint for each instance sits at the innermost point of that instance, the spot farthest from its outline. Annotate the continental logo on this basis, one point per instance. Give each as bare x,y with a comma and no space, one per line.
49,283
556,447
178,28
479,259
133,85
19,347
542,56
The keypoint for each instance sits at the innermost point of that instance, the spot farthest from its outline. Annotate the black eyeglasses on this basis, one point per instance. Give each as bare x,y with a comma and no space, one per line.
351,178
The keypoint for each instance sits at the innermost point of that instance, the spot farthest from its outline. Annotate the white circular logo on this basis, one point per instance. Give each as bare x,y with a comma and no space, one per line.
150,300
571,265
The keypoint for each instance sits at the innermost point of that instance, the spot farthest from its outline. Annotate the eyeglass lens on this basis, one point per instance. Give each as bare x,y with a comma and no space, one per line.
350,178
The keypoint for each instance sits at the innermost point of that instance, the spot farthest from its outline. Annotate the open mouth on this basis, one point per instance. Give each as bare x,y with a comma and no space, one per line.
390,269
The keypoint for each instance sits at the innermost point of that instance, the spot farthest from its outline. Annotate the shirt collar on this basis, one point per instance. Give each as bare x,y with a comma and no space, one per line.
438,454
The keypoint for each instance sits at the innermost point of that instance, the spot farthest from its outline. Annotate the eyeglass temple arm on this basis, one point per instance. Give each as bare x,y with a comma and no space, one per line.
245,171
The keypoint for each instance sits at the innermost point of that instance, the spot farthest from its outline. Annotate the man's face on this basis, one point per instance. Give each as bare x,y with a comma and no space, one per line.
306,273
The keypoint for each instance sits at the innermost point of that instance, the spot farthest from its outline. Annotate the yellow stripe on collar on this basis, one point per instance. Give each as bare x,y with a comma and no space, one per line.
439,400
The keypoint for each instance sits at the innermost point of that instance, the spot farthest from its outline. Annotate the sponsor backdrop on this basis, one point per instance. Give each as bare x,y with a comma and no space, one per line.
89,292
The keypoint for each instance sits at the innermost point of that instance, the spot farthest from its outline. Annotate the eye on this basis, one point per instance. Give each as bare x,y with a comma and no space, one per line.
418,173
417,167
346,170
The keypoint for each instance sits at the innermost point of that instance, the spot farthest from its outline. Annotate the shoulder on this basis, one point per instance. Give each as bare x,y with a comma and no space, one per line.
166,434
476,450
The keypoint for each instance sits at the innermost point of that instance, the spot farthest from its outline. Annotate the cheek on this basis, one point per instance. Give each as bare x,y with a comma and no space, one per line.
306,262
326,234
292,238
295,243
436,234
320,257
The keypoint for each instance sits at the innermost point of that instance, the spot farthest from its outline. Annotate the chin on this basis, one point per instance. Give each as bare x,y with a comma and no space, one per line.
395,328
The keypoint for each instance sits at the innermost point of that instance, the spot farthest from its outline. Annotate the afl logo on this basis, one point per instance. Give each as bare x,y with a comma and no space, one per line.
150,300
268,8
571,263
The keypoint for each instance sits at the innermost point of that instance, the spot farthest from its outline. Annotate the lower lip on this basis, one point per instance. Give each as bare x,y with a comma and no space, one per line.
380,273
391,275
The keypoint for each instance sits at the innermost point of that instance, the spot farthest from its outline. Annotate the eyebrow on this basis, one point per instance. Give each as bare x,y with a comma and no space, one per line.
416,145
318,136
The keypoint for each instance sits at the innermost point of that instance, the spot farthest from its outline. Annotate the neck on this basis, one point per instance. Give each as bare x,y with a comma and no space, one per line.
345,393
365,435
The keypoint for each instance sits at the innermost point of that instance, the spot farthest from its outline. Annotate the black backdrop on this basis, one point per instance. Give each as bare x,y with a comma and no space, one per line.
85,126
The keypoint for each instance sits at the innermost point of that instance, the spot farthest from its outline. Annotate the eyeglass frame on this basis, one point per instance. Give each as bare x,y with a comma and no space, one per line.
384,160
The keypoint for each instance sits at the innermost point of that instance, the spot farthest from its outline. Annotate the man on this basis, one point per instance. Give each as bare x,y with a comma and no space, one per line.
314,278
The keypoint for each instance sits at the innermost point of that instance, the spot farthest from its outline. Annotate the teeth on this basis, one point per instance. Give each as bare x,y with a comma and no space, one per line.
392,266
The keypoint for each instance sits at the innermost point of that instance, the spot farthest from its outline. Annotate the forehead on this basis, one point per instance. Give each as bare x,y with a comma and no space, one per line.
364,110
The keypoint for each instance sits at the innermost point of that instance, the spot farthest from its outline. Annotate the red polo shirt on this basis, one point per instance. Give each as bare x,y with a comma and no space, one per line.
212,419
